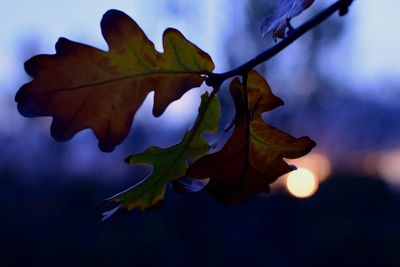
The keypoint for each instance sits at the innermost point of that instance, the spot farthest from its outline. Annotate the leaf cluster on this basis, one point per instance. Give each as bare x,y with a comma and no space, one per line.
84,87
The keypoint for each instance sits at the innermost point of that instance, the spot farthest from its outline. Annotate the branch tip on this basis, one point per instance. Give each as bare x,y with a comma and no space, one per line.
216,79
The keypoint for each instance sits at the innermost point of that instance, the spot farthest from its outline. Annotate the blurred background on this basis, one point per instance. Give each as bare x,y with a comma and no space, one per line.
340,83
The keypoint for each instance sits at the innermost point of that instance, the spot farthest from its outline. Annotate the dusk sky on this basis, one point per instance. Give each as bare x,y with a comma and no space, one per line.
339,206
372,37
366,55
369,50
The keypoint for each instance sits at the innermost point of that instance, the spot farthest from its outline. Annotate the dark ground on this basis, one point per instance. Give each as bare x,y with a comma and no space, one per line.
351,221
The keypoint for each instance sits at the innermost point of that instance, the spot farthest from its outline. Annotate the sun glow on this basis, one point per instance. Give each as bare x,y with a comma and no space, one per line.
313,169
301,183
389,167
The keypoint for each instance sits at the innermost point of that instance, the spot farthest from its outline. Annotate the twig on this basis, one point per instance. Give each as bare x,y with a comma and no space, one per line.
216,79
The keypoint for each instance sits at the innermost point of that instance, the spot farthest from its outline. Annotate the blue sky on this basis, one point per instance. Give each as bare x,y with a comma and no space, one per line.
371,44
377,39
369,50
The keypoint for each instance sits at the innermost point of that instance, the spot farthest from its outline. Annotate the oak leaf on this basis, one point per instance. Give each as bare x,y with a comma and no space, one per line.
84,87
170,163
278,22
252,158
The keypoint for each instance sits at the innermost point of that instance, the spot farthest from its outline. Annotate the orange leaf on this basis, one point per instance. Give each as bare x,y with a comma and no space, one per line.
252,158
83,87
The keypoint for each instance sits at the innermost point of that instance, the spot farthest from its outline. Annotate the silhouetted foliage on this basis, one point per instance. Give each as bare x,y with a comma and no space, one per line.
84,87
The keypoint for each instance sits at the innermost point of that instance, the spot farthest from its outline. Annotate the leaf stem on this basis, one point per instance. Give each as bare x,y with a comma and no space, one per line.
247,116
216,79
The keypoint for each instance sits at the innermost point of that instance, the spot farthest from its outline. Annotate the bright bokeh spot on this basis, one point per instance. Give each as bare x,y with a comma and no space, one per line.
318,164
389,167
301,183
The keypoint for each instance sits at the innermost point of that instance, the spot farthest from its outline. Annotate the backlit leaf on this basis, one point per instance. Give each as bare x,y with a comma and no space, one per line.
83,87
252,158
278,21
169,163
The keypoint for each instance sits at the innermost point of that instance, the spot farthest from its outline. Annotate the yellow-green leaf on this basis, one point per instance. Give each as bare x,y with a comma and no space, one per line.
84,87
169,163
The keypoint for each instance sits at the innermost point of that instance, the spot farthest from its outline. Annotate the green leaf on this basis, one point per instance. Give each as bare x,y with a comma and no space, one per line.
169,163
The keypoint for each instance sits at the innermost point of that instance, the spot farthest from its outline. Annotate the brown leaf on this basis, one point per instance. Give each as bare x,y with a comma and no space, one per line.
83,87
278,21
252,158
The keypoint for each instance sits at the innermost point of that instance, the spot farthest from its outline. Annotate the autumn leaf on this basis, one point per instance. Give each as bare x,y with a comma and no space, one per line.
278,22
252,158
169,163
83,87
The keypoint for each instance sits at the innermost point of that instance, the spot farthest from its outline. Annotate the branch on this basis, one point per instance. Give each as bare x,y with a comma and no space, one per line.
216,79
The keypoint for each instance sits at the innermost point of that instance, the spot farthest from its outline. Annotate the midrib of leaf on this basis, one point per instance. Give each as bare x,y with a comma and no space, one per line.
88,62
158,178
148,185
194,133
126,77
150,188
247,129
71,120
143,187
